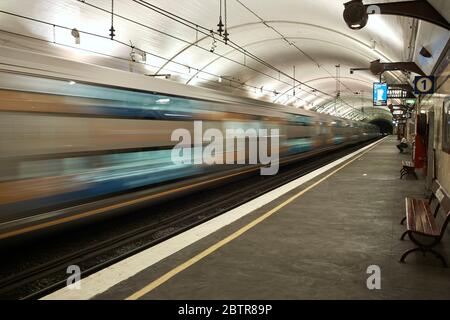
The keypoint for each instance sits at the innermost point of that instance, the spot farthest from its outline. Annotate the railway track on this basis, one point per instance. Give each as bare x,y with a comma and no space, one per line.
44,278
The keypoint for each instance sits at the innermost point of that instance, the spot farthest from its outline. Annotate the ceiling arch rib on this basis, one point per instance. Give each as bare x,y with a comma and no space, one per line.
320,79
294,23
284,38
264,41
236,27
293,99
288,84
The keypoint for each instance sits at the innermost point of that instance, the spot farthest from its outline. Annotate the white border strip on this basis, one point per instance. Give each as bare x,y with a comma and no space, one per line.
103,280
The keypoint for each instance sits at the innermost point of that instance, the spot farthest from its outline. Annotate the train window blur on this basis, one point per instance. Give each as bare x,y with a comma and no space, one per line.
63,143
302,120
113,102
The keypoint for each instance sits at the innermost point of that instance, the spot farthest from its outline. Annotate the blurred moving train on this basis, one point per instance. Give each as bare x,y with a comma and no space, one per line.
73,135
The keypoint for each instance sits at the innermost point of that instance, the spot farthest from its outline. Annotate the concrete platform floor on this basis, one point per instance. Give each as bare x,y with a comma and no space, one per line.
318,247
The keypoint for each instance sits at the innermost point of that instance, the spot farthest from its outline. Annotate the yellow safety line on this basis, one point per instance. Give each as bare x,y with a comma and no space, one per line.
166,277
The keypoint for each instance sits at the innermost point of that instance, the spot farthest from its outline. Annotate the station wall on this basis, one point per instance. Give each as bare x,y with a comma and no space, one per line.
435,104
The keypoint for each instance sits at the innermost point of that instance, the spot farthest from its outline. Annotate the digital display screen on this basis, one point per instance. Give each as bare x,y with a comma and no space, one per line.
380,94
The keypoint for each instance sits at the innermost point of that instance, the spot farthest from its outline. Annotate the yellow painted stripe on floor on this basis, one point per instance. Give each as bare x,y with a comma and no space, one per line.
166,277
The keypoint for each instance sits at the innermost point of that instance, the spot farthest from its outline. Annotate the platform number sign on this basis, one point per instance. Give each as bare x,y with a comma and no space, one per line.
424,85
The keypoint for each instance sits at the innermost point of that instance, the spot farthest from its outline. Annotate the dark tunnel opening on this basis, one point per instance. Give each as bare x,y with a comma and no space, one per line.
386,126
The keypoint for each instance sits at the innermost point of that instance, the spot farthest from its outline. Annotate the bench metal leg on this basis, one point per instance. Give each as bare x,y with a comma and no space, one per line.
413,173
404,235
408,171
439,256
425,250
403,220
402,259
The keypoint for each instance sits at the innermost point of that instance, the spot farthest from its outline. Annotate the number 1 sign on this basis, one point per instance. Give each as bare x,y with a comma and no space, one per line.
424,85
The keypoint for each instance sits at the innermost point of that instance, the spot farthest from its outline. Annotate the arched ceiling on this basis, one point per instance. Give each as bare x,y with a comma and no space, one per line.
267,40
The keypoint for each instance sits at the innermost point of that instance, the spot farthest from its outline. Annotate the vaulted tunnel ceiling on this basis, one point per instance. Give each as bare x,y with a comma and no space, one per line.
267,40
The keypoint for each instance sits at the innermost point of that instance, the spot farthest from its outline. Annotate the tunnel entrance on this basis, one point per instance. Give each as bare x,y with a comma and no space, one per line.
385,126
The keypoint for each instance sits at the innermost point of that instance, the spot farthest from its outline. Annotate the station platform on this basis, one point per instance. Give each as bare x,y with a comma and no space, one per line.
314,242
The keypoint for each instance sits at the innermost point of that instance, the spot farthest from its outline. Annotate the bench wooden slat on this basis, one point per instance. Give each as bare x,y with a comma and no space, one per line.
429,223
420,217
420,220
406,163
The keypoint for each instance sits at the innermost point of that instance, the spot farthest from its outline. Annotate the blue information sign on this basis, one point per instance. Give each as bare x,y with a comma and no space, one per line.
380,94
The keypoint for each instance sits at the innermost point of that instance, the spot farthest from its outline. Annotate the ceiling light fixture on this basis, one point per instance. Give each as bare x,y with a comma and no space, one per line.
226,34
293,87
76,34
220,24
112,30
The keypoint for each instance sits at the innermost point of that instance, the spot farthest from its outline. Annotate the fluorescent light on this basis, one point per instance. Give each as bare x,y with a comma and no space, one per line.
163,101
177,115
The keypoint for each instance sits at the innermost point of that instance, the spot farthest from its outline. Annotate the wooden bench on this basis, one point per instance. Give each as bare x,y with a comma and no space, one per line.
421,220
408,168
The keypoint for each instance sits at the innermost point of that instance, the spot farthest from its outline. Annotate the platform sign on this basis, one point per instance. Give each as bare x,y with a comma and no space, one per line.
380,94
424,85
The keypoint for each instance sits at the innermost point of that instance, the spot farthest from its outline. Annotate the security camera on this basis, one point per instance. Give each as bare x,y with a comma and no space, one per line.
355,14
